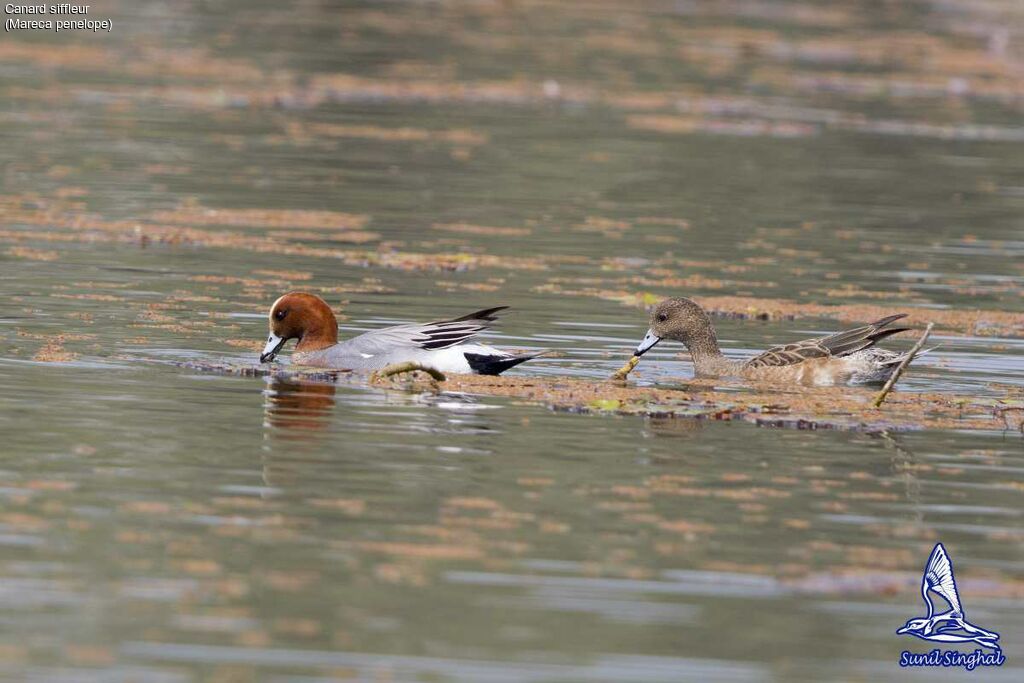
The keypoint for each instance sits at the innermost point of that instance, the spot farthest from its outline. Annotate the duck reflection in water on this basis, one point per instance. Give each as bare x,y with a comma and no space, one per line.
298,410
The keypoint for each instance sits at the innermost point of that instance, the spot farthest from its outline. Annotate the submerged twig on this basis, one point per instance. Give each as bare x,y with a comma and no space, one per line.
902,366
624,371
407,366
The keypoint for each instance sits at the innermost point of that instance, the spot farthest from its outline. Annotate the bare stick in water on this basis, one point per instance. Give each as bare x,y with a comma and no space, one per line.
408,366
624,371
902,366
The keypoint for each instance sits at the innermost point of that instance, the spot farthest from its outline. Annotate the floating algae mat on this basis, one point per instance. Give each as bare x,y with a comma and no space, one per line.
844,408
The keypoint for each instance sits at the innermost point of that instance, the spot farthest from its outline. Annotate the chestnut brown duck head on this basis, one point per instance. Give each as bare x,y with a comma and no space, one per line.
302,316
848,357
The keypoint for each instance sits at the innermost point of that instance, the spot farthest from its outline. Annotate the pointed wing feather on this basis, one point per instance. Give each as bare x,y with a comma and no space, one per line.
938,576
835,345
431,336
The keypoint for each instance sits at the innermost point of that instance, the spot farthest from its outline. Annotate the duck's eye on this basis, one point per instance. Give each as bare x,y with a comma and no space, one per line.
280,314
662,317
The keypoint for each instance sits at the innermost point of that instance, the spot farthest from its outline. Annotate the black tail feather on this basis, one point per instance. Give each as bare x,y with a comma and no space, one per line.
495,365
487,314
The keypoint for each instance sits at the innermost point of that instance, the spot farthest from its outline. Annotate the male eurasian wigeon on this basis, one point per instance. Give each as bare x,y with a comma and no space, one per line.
848,357
440,345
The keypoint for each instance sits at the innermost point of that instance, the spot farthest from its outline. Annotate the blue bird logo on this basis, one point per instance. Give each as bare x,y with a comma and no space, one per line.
949,626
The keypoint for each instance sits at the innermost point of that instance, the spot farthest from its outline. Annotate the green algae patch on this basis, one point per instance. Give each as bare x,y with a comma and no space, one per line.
605,404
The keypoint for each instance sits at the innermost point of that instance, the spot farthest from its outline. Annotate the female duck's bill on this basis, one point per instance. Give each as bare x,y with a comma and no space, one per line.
647,343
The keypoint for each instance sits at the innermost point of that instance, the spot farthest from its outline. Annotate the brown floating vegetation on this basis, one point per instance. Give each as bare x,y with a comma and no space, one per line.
488,230
263,218
744,127
56,223
971,322
53,350
762,404
784,53
455,136
843,408
33,254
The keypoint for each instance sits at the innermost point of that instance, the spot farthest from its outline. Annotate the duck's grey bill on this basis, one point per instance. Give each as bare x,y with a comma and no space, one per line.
274,344
650,339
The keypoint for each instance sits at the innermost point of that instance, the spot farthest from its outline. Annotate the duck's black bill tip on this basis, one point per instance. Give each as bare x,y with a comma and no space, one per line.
270,351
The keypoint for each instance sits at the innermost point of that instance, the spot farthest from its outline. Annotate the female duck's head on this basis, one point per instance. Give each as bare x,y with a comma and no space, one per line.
302,316
682,320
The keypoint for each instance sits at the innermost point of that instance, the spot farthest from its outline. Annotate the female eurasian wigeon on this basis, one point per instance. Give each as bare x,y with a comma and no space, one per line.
439,345
848,357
